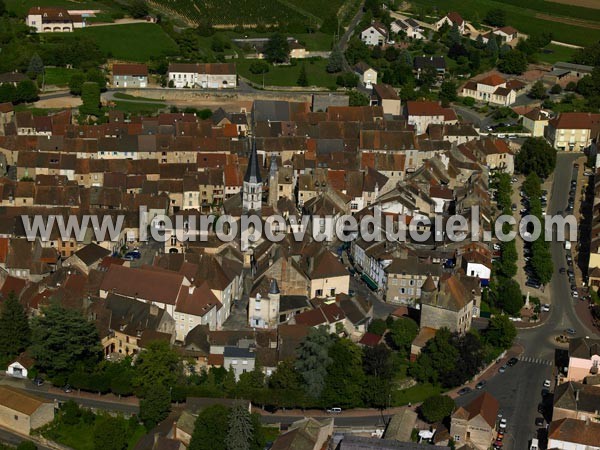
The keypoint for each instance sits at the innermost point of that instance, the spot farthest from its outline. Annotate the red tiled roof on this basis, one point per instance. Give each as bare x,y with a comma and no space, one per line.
424,108
576,120
216,360
492,80
370,339
130,69
455,18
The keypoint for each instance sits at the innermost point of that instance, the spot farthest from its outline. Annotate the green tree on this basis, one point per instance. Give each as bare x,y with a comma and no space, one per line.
277,49
537,156
453,36
155,406
217,44
513,62
556,89
110,433
313,360
26,445
36,66
210,429
538,90
448,92
15,333
495,17
357,51
240,432
402,332
358,98
438,358
286,386
491,48
76,82
510,298
501,332
90,96
27,92
138,9
122,384
259,67
158,365
63,339
378,368
437,407
8,93
336,61
378,327
2,7
302,77
345,375
96,76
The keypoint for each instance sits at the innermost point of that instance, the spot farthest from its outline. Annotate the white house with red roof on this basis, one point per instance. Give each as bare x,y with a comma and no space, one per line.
452,18
493,89
53,20
421,114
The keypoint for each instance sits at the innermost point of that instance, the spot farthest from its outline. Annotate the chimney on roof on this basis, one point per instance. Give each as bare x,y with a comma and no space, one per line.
191,289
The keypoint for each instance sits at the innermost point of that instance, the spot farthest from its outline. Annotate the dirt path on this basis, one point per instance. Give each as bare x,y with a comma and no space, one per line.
593,4
569,21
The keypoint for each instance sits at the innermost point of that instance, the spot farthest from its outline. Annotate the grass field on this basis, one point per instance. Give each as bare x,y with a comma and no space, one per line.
132,42
415,394
288,75
554,53
526,18
81,436
59,76
124,96
139,108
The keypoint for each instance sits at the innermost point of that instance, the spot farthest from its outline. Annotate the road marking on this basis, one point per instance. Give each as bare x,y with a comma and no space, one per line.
533,360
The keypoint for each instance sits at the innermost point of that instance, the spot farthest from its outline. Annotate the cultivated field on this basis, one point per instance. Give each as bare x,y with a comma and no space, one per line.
595,4
567,22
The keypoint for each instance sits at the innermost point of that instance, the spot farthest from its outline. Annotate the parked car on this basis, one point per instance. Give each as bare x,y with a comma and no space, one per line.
512,361
588,174
533,283
334,410
570,331
502,369
562,270
547,384
575,294
38,381
481,384
67,388
134,254
464,391
503,425
545,308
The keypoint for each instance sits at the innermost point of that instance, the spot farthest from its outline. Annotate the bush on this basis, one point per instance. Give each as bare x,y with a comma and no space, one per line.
436,408
468,101
556,89
259,67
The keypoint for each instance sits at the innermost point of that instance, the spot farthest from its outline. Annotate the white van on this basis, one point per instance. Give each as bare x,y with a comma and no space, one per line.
334,410
534,444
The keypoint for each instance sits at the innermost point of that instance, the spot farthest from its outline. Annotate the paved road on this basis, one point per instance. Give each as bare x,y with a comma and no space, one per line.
519,389
478,120
343,43
88,400
10,438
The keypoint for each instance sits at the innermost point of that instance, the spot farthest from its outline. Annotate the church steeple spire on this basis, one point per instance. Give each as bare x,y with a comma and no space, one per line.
252,188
